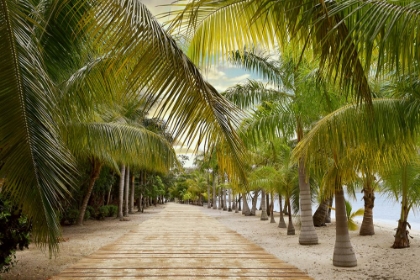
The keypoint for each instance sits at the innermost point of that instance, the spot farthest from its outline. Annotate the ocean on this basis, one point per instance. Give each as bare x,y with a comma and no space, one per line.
386,210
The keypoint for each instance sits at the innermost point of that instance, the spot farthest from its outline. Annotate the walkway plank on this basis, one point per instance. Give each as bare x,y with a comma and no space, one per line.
181,243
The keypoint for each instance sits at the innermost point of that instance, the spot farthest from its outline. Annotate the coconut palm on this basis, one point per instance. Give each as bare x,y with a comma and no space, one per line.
285,110
53,54
346,141
402,184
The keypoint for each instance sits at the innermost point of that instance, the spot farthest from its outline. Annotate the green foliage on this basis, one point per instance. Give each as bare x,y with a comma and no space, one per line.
14,233
112,210
103,212
90,213
350,215
70,217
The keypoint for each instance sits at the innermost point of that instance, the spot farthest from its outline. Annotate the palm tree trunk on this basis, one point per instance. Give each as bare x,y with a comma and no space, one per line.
328,217
367,227
344,255
94,174
220,199
214,191
401,236
272,221
254,203
121,193
224,192
230,200
245,208
290,227
208,191
236,203
131,206
321,213
264,216
308,234
267,200
126,191
282,222
239,202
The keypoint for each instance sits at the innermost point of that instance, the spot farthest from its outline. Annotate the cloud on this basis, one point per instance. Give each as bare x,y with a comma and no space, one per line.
223,77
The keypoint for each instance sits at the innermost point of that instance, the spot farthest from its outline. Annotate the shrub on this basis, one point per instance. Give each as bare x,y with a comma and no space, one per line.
14,233
103,212
72,216
92,213
113,210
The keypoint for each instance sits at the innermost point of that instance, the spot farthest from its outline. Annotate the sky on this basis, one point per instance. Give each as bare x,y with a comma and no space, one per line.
221,76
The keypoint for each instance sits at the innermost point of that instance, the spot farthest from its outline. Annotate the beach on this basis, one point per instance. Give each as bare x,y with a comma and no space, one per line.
376,260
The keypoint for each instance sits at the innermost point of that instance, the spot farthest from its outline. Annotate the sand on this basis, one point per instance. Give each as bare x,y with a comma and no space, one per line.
376,260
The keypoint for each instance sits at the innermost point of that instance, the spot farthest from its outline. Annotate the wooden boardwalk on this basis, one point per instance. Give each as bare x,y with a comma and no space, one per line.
181,243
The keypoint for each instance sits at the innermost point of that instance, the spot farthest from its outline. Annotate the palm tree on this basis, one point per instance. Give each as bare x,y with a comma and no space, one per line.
284,111
346,140
48,73
402,184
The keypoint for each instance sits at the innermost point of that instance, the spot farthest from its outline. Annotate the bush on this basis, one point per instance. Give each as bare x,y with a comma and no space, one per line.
92,213
103,212
14,233
72,216
113,210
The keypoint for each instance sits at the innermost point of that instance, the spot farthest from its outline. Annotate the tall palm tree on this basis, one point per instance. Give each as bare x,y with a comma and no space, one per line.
284,111
53,53
347,137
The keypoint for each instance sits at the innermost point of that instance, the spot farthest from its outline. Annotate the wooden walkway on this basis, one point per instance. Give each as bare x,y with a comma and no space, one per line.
181,243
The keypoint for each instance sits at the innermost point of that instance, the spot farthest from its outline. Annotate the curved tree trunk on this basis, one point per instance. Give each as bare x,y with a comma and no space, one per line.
328,217
94,174
121,193
264,216
290,227
367,227
245,208
321,213
308,234
126,191
344,255
282,222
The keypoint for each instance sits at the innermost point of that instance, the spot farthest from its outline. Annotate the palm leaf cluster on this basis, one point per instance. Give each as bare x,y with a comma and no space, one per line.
77,79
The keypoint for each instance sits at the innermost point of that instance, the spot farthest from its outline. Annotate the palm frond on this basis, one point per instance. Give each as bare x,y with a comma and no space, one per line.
350,132
35,165
252,93
135,146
